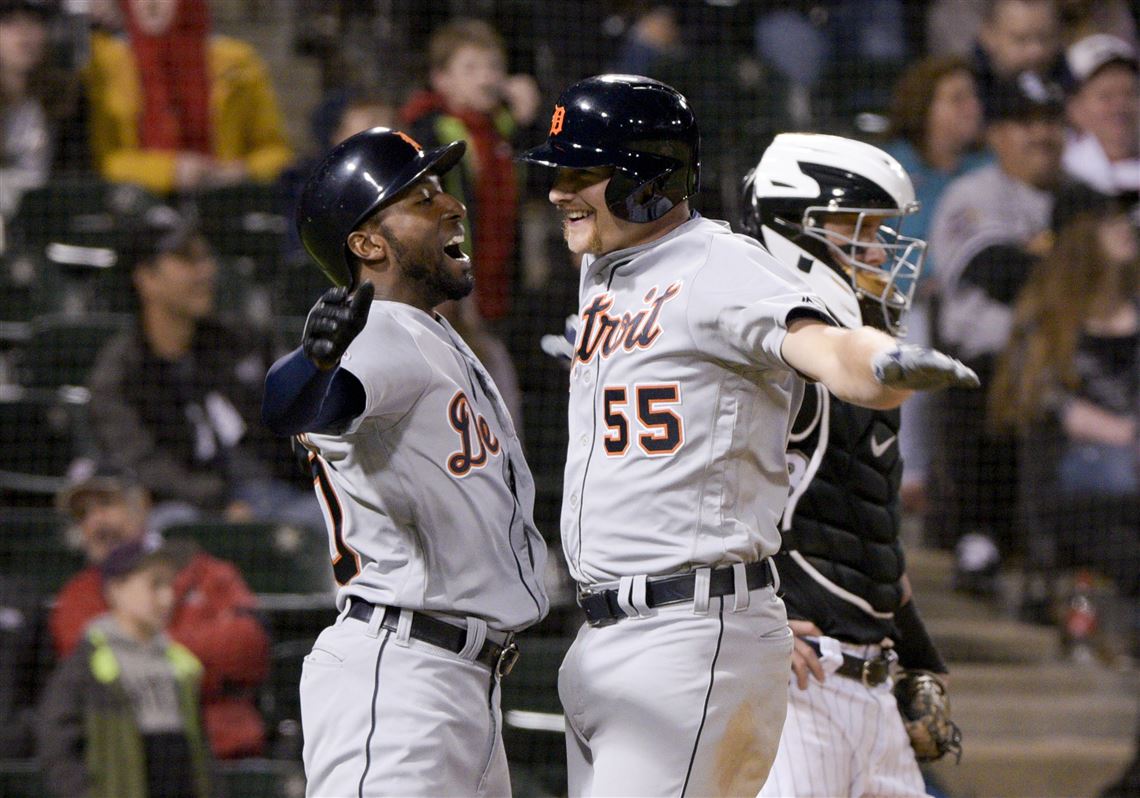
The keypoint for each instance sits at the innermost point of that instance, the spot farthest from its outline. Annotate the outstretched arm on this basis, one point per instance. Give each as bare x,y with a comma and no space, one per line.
867,367
307,391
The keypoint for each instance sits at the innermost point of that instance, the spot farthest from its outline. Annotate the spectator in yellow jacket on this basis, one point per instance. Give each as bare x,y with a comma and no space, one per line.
175,108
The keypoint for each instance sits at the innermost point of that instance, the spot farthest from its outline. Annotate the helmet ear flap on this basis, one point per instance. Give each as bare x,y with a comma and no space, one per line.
637,202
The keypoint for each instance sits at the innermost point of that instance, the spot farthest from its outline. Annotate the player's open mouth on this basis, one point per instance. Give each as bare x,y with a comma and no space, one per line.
453,248
573,217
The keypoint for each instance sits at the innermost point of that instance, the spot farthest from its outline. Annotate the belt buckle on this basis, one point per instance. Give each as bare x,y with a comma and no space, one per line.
507,659
874,672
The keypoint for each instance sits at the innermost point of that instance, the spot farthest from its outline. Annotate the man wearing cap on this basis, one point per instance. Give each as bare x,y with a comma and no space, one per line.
987,230
175,398
1017,37
1103,148
212,612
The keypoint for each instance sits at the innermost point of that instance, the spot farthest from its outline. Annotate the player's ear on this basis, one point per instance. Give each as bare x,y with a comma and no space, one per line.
368,245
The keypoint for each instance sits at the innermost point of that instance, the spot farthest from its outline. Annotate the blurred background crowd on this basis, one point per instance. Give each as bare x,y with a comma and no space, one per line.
151,153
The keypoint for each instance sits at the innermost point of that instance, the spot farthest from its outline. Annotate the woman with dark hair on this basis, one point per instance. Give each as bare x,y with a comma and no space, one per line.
35,97
935,122
1069,384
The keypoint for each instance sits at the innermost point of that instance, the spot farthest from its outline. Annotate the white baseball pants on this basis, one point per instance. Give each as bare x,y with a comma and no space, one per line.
676,702
383,716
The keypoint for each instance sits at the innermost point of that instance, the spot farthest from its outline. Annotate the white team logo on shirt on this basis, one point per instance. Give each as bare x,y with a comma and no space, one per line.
476,441
605,333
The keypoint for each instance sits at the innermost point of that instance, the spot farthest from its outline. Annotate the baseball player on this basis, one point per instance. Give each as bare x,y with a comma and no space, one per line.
428,499
689,365
832,207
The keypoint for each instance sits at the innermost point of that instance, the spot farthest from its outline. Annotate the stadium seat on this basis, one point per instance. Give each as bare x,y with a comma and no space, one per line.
41,432
244,222
20,778
32,542
77,211
61,348
261,778
297,285
274,558
533,725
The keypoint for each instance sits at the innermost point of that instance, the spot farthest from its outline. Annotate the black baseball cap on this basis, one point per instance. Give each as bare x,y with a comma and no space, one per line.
1075,199
42,8
158,231
127,558
86,477
1023,99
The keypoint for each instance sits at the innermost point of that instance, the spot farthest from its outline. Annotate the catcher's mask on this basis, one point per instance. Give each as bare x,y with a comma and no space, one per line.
641,127
802,182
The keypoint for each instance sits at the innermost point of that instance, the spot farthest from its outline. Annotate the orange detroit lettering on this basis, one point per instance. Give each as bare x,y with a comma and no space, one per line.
408,139
557,120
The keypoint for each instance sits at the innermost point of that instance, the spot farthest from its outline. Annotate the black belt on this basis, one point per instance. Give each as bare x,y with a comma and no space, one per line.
871,672
602,608
427,629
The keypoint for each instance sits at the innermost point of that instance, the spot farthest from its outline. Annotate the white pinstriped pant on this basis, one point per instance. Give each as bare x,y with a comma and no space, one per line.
843,739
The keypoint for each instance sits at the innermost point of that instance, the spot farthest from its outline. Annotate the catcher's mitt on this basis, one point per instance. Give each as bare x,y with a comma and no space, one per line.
925,708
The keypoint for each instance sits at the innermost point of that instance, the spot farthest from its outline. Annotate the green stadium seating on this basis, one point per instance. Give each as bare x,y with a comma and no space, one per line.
532,716
244,221
41,432
274,558
32,544
20,778
62,348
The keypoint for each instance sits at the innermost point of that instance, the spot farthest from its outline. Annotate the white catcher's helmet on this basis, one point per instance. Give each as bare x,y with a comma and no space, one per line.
804,177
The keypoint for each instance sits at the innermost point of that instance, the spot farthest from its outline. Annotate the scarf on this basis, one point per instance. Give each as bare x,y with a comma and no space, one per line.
175,79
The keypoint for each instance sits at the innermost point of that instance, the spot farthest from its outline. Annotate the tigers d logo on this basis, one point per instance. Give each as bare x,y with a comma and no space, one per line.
408,139
557,120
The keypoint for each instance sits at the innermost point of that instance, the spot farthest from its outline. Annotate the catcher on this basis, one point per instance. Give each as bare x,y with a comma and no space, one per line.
832,207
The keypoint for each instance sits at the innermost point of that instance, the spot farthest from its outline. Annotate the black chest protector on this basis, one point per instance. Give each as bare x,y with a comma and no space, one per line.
841,560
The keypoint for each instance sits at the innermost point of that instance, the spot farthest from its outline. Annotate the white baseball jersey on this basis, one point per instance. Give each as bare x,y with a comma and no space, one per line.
680,405
428,499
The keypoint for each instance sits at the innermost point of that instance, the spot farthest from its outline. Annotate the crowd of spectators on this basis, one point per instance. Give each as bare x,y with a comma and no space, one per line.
1018,121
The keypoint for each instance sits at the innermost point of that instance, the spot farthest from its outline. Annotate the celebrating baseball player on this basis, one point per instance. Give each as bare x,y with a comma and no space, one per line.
689,365
833,208
428,499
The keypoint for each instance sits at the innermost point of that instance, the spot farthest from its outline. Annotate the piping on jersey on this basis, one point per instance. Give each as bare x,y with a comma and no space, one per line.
823,418
593,430
835,589
327,492
475,380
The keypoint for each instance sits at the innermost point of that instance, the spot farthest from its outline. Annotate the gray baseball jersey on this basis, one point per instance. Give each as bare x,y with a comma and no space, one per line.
981,209
680,405
429,500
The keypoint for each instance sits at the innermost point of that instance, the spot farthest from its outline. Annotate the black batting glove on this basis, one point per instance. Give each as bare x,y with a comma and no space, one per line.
336,319
918,368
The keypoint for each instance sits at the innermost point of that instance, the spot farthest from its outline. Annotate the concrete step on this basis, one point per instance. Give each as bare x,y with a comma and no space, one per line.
1022,718
941,602
995,640
1043,679
1061,766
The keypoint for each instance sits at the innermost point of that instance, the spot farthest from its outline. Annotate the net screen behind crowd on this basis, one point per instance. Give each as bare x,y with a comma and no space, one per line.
151,271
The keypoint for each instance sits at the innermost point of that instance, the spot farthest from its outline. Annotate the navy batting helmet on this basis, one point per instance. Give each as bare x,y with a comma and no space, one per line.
357,178
641,127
